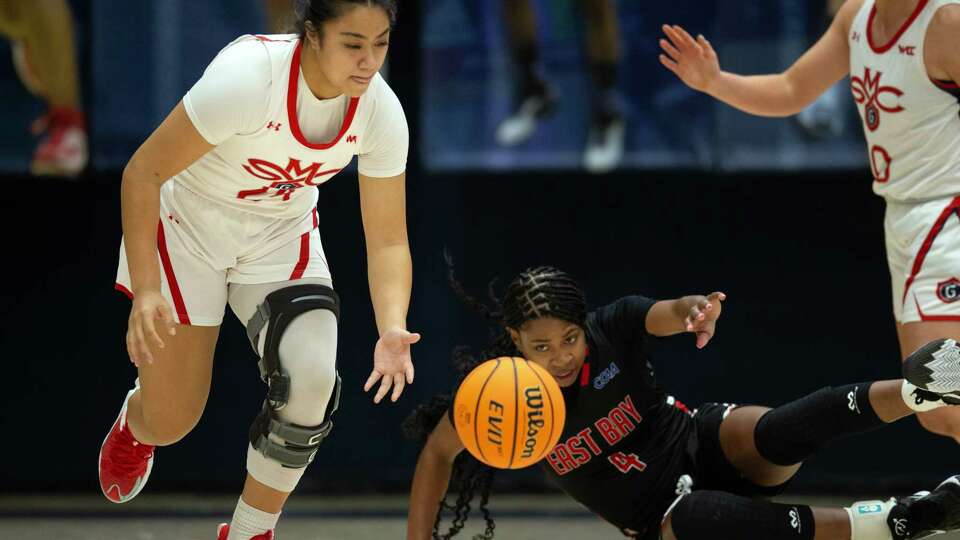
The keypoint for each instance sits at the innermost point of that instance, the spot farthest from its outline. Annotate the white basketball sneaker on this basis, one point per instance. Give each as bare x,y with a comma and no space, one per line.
935,370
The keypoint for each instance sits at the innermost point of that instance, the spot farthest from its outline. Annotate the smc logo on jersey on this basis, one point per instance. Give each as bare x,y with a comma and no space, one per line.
874,98
283,180
949,291
606,376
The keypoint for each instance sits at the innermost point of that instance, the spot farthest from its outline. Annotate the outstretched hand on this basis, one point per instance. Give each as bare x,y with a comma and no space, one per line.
392,365
702,319
692,60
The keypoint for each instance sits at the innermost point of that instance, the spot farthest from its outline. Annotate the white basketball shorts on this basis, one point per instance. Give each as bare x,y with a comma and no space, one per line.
204,246
923,252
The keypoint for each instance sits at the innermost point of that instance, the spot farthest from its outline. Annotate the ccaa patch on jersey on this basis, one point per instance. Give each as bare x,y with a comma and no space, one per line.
949,291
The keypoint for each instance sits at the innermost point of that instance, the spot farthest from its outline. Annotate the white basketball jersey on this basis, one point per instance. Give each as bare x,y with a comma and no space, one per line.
911,122
269,167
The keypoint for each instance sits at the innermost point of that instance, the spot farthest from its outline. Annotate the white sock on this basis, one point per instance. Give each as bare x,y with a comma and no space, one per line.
868,520
916,404
249,522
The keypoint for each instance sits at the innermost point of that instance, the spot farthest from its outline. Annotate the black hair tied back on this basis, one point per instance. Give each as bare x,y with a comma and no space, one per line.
321,11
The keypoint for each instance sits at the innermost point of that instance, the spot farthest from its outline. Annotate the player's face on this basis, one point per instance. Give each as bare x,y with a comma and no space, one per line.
353,49
558,346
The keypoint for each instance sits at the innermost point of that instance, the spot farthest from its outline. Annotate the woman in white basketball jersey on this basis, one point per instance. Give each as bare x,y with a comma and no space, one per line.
903,58
219,206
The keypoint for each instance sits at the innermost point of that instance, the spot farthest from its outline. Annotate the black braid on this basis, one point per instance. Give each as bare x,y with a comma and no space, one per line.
543,292
535,293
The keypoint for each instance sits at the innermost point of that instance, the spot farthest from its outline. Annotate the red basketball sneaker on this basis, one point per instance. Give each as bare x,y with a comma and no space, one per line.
223,531
63,149
125,463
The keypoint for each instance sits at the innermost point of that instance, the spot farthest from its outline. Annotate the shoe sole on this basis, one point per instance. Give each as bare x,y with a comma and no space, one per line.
137,488
935,367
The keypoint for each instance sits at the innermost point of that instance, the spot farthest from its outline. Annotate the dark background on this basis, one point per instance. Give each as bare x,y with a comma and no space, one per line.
799,255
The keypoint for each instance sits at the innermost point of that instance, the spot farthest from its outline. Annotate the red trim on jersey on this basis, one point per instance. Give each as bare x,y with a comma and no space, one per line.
903,28
304,259
947,85
262,37
952,208
292,107
178,304
585,374
301,266
943,318
123,289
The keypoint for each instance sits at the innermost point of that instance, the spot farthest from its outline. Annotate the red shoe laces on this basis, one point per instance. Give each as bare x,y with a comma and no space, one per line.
128,457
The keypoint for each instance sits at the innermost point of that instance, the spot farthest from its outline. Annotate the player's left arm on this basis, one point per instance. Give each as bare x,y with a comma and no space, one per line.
390,274
943,44
697,314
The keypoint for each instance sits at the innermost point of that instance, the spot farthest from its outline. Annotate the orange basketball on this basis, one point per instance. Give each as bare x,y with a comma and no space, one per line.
509,412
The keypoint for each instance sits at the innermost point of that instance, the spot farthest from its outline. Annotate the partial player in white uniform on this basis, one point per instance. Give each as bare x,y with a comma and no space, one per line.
219,206
903,58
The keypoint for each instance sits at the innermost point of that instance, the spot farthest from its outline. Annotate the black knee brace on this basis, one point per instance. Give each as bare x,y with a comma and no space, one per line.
715,515
296,445
793,432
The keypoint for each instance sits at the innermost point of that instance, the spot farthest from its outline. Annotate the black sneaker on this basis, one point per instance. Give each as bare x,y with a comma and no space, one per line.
927,514
935,369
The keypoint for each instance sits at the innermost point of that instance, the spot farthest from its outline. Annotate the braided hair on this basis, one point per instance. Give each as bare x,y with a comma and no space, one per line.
535,293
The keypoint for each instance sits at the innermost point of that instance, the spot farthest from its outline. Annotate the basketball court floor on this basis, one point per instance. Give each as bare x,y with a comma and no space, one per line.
546,517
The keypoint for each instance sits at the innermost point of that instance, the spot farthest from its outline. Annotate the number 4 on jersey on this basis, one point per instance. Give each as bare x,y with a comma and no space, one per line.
625,462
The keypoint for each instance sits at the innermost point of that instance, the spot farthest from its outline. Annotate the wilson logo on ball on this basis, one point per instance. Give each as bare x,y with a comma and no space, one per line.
535,420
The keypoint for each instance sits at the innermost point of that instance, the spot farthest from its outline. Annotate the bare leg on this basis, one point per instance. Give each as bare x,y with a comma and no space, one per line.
739,446
605,137
263,497
174,388
737,434
945,421
603,31
47,34
534,97
522,29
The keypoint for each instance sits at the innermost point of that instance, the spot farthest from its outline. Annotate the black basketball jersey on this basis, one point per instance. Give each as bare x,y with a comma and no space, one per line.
623,445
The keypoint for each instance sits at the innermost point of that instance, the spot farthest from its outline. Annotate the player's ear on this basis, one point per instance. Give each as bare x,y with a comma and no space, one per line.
312,34
515,336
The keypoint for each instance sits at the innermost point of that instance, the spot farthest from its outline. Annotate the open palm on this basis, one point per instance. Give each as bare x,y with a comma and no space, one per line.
392,364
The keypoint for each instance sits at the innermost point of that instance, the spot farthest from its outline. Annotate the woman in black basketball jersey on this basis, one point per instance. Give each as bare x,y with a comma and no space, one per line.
655,469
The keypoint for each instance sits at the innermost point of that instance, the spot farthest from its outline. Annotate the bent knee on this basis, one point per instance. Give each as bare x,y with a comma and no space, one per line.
308,353
944,421
166,428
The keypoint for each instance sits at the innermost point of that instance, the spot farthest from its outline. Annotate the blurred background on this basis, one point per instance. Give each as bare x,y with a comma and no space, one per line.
541,133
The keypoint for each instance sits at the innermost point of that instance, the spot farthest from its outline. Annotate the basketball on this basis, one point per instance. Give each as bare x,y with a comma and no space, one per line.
509,412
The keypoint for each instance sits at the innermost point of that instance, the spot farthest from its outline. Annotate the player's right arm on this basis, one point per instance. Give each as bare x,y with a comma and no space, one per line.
696,64
170,149
431,478
228,99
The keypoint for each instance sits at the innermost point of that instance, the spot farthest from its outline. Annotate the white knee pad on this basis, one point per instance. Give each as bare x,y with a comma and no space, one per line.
308,351
286,434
